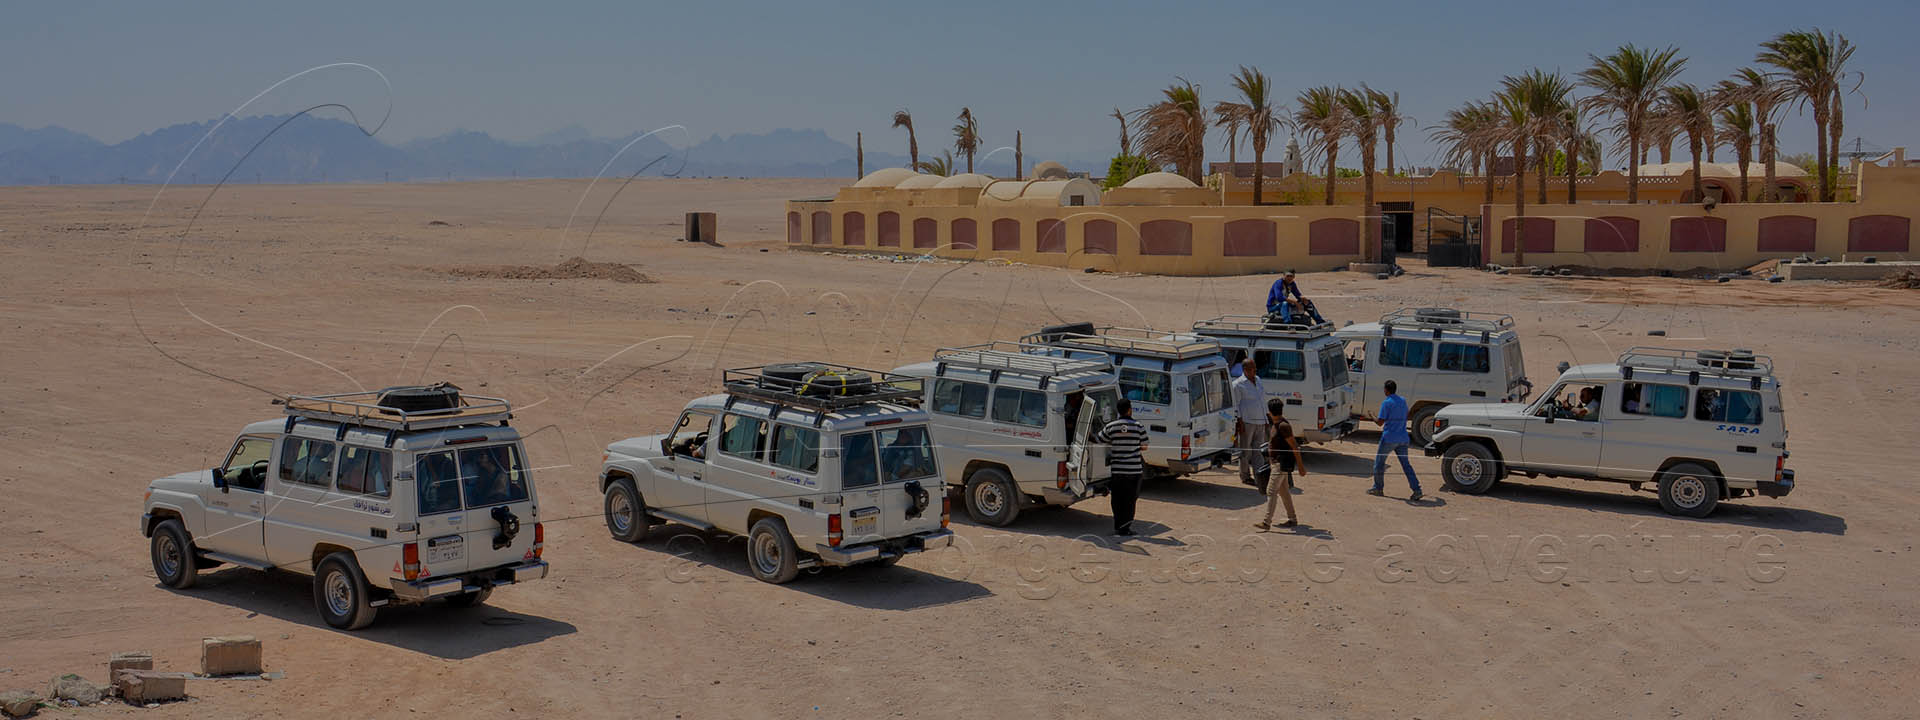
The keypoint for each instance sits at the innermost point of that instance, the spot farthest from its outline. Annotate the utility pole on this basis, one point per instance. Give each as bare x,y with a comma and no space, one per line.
859,157
1019,158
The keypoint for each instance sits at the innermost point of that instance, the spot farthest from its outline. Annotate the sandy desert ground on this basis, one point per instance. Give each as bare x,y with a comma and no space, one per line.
138,335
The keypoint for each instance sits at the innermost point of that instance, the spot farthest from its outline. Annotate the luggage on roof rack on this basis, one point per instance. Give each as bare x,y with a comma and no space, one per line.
1736,363
400,409
1258,325
823,386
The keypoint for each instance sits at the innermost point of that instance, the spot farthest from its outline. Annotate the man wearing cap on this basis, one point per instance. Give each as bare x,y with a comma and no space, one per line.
1277,300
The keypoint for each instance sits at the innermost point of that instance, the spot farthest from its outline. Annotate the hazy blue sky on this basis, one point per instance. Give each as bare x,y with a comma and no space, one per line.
1053,70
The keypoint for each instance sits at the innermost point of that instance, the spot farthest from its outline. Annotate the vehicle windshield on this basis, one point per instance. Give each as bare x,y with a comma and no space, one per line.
1333,366
1516,369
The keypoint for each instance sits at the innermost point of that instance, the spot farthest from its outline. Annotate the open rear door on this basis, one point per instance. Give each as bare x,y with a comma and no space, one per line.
1087,461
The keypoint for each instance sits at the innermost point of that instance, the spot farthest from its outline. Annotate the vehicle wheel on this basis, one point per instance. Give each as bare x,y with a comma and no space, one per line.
1470,467
1690,490
1420,424
173,560
771,555
626,515
472,599
992,498
340,593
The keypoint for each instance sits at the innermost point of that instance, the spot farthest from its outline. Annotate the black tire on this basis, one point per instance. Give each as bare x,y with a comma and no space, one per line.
341,594
1689,490
992,498
625,512
413,398
1470,467
472,599
173,555
771,555
1420,424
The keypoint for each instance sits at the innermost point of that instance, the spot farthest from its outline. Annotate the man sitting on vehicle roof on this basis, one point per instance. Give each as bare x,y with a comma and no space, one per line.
1300,306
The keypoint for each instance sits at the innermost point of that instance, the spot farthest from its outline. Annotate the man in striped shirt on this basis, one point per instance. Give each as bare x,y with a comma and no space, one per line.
1125,439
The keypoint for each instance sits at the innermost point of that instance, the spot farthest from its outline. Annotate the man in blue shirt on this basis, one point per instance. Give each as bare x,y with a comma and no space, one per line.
1277,300
1392,420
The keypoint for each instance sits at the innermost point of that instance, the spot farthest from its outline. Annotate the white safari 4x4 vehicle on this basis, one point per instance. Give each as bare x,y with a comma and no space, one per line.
1016,425
1701,426
1304,364
1436,357
395,496
1179,389
814,464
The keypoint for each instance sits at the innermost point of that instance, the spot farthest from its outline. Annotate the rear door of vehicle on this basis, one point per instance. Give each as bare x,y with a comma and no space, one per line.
442,514
1336,385
1209,410
1160,401
890,477
1087,461
497,485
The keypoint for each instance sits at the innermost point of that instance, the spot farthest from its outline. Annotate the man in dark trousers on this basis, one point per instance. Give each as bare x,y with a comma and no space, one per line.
1125,438
1286,299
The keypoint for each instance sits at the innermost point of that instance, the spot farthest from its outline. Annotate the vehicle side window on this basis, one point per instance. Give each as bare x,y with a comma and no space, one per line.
856,461
492,475
437,480
796,448
1465,358
743,437
907,454
306,461
1286,365
1333,367
690,436
1220,390
1020,407
1146,386
1208,392
365,471
1655,400
1729,406
1398,352
965,399
239,470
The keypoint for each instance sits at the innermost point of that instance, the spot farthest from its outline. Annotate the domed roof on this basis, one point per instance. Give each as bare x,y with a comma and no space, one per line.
885,178
1160,181
966,180
919,182
1050,170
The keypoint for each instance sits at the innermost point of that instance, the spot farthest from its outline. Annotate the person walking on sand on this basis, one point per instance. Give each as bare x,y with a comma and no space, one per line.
1283,452
1250,427
1125,438
1392,420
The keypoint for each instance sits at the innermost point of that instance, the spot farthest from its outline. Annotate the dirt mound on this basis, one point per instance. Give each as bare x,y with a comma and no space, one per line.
576,268
1904,280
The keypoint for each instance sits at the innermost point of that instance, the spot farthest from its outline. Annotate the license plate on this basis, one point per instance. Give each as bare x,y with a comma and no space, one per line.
869,525
445,549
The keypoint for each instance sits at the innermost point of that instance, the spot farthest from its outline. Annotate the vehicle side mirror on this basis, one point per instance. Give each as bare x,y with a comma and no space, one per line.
1549,417
666,445
219,480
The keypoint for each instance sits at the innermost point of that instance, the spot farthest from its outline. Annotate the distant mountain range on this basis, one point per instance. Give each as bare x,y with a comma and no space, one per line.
318,149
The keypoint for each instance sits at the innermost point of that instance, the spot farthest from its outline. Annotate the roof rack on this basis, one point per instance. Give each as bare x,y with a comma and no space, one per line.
363,409
1258,325
1129,341
816,391
1444,318
1736,363
1020,358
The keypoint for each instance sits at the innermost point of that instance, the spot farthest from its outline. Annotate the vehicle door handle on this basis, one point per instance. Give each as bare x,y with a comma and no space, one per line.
1586,433
255,505
1033,453
1478,393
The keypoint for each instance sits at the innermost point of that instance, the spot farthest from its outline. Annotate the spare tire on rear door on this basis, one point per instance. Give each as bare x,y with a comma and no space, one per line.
836,382
420,398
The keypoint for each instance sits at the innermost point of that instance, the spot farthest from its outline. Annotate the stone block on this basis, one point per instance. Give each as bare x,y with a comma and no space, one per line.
139,687
18,703
75,688
128,661
700,228
235,655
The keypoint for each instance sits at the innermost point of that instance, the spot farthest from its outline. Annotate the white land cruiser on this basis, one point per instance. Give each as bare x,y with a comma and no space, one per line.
1016,425
814,464
1701,426
395,496
1304,364
1179,389
1436,357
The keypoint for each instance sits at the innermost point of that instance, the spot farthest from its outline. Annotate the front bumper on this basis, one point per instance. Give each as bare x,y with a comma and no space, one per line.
1777,488
421,590
896,547
1432,449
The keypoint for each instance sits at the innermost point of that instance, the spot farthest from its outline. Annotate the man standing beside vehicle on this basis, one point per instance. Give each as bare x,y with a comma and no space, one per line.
1250,411
1392,420
1125,438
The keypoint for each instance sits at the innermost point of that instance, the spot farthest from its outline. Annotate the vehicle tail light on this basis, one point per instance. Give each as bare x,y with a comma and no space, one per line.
946,511
1060,476
1186,446
834,533
539,539
1779,464
410,561
1323,416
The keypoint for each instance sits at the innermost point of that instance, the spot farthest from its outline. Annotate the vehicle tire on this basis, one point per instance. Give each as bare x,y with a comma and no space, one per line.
625,513
173,556
340,593
1420,424
1470,467
1690,490
771,555
472,599
992,498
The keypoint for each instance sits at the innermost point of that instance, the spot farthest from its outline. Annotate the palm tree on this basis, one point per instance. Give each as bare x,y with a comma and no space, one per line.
1519,127
1684,109
1227,116
1625,85
1126,142
942,166
1544,95
1256,115
1471,136
966,136
1363,123
904,119
1811,63
1387,106
1766,95
1579,144
1323,117
1737,126
1174,130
